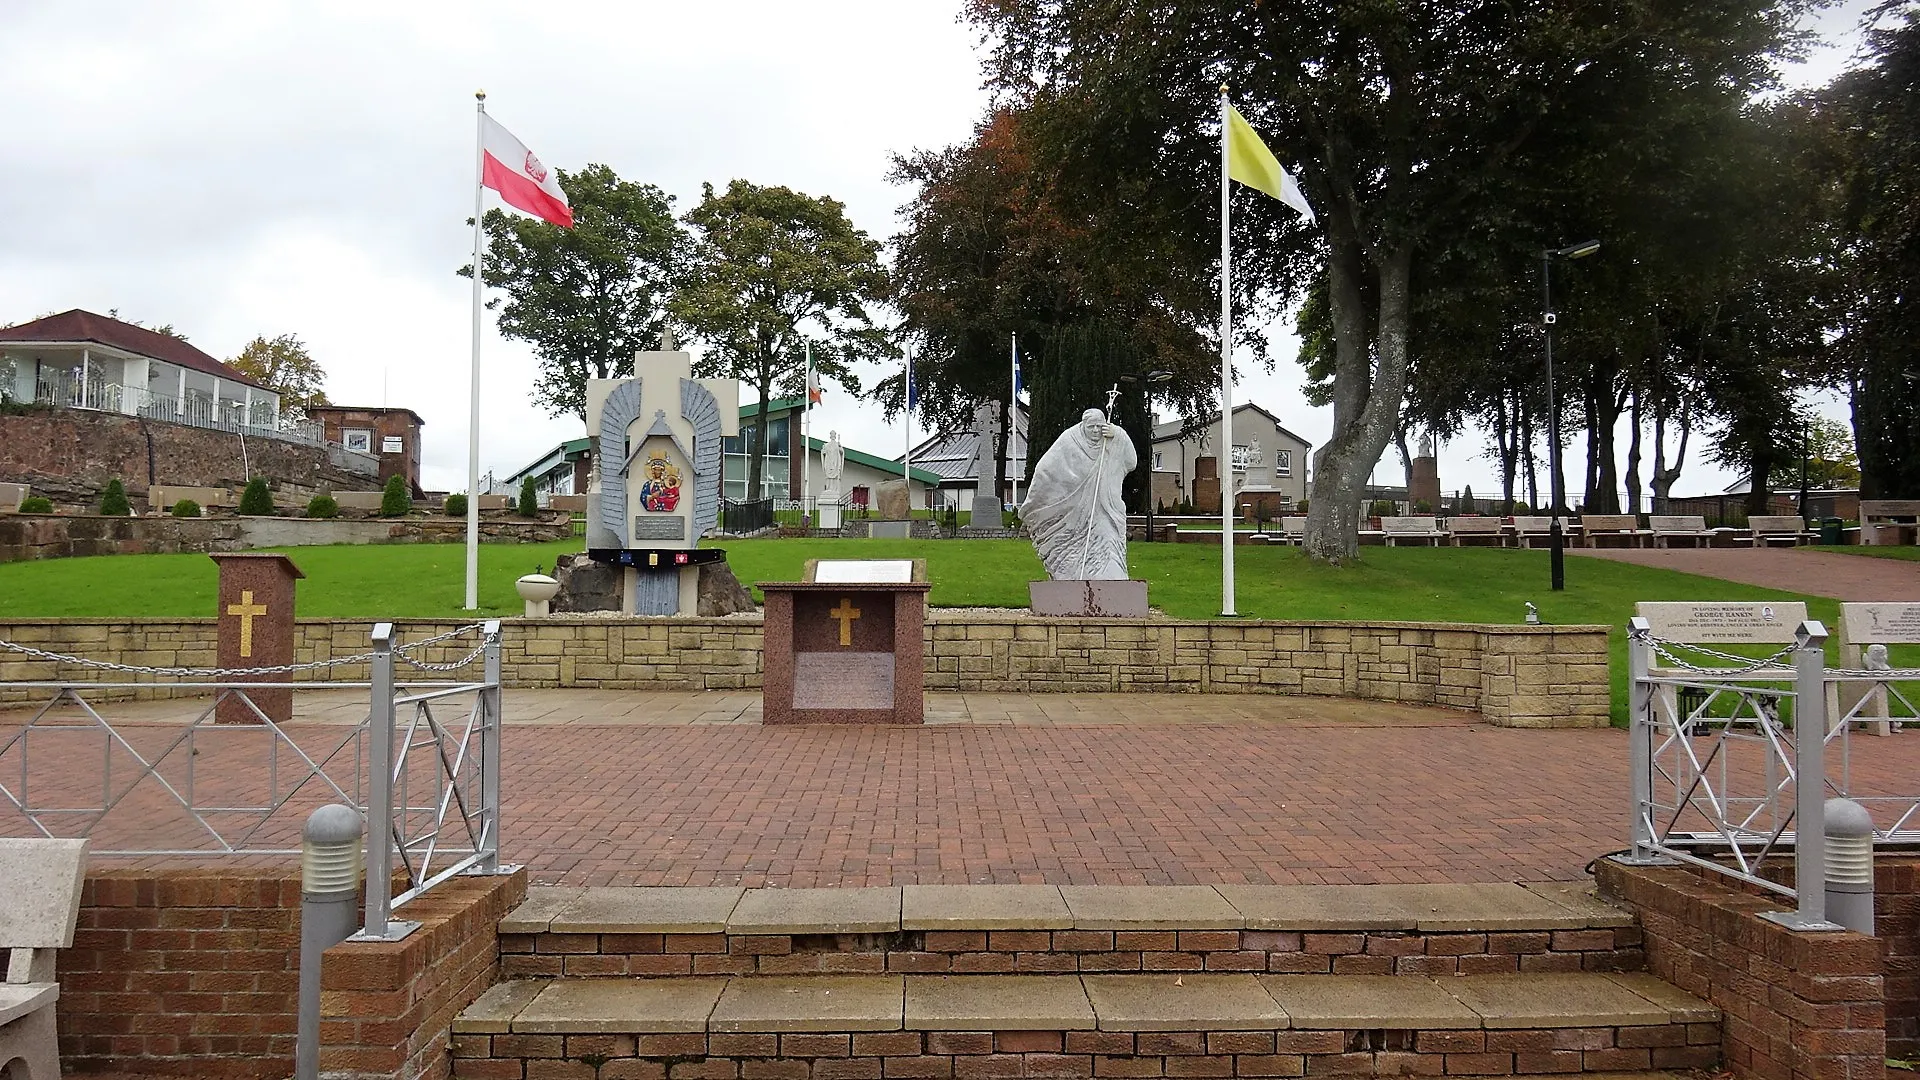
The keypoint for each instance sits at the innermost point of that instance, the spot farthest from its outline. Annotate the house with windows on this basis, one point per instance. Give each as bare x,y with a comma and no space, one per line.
77,359
1264,456
563,470
964,458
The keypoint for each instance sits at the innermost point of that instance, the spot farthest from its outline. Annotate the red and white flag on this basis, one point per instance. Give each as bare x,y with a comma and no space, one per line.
523,181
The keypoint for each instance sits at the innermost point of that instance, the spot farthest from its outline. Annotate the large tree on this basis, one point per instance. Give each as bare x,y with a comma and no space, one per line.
1406,120
283,365
586,298
774,270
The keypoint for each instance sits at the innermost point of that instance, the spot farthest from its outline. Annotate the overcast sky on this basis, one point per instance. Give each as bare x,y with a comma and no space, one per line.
265,168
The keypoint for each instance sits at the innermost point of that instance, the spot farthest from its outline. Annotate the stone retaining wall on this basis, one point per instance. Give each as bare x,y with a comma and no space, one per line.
57,536
1514,676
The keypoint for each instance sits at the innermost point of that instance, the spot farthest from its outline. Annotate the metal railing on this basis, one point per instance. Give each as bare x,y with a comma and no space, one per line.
422,764
261,419
1722,769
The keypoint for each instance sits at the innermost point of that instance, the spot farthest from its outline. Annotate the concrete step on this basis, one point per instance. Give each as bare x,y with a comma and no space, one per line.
960,929
865,1027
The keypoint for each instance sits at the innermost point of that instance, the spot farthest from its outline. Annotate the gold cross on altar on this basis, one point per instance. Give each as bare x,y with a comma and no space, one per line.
846,613
247,610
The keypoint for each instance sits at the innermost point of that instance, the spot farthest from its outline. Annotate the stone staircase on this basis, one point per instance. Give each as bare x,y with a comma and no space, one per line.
1101,981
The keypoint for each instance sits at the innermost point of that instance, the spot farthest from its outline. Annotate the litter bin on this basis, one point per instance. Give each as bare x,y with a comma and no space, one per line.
1830,530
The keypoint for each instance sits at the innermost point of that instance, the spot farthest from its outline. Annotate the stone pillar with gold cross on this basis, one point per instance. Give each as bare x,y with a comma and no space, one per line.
256,630
846,646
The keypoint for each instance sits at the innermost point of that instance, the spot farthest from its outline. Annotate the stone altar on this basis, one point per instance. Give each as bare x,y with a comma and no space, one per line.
847,645
256,630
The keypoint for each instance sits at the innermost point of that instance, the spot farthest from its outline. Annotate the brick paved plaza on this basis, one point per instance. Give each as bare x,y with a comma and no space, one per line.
665,788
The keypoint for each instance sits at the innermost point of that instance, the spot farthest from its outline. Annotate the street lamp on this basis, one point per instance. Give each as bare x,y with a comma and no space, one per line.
1556,536
1151,378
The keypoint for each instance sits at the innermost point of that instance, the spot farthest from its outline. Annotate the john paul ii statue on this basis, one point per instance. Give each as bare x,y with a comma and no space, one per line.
1073,508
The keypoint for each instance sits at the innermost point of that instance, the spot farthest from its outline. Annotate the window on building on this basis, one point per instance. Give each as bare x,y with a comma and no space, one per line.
391,444
735,465
1283,462
357,439
1239,458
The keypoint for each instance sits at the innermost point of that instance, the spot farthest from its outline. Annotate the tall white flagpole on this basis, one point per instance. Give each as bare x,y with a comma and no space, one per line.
1223,458
473,410
806,439
906,458
1013,417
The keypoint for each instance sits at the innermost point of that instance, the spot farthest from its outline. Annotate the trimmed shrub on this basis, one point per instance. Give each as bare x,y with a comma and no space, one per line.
1301,506
36,504
257,499
186,508
1422,506
1381,508
322,506
394,501
529,500
114,501
456,505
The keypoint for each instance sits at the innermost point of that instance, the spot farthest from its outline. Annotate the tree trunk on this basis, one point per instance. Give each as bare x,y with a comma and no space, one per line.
1664,477
1759,491
1367,390
1406,457
1506,445
1527,456
757,446
1633,458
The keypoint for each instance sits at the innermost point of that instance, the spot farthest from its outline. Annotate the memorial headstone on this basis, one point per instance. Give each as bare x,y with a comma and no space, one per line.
1865,632
655,488
847,645
255,612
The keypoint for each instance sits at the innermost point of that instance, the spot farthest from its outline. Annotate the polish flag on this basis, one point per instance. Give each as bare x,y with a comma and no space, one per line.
523,181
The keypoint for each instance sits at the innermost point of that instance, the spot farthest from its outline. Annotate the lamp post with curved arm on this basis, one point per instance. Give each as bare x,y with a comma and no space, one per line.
1556,535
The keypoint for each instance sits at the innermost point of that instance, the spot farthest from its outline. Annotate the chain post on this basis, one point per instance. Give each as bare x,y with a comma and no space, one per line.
1641,731
492,719
1809,782
379,924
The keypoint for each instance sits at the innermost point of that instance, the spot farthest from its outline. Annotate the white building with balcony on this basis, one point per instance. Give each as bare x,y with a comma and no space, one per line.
77,359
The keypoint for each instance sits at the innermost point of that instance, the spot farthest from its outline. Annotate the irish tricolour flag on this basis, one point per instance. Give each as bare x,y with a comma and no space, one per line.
523,181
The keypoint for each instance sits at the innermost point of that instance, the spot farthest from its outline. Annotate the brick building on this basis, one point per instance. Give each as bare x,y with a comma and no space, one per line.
392,435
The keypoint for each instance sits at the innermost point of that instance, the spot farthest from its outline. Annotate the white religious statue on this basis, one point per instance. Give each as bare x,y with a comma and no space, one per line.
1255,456
1073,507
833,461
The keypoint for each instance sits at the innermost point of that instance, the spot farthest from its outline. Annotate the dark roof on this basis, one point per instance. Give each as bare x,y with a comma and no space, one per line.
78,325
314,410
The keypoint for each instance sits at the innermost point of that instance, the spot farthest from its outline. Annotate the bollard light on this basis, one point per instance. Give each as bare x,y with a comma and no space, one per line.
1849,881
332,862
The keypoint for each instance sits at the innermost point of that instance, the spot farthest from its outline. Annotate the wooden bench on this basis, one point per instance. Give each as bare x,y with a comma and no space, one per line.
1665,528
1878,527
1527,529
1768,529
39,903
1462,530
1420,528
1594,527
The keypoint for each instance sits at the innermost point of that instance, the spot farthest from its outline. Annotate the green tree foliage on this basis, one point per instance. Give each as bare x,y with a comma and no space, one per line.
36,504
529,505
1879,106
1082,360
1826,448
774,269
1408,122
394,501
456,505
257,498
283,364
186,508
323,506
586,298
113,501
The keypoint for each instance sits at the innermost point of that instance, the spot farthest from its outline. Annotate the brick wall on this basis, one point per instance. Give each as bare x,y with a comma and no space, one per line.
1897,923
195,972
190,973
69,455
1516,676
387,1007
1797,1006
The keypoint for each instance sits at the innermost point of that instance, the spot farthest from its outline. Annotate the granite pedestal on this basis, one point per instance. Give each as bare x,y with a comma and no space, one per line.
844,653
256,630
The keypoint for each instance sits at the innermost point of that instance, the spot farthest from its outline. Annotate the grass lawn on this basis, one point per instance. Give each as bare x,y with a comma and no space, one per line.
1908,553
1418,584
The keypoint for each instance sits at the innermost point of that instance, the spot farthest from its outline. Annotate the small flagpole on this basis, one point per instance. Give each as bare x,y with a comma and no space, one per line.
1013,417
473,410
1224,451
906,459
806,440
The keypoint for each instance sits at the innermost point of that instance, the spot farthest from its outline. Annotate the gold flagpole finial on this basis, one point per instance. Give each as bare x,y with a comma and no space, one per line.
480,95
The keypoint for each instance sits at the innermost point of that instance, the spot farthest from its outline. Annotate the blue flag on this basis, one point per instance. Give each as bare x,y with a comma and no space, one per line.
913,392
